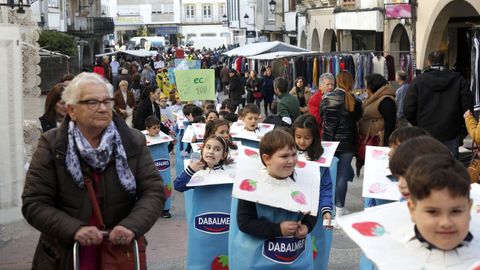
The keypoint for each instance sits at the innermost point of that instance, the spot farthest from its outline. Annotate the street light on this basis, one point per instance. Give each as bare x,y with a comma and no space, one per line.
245,17
224,18
272,5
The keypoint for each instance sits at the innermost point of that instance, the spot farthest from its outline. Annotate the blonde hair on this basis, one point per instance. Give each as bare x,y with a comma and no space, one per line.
345,82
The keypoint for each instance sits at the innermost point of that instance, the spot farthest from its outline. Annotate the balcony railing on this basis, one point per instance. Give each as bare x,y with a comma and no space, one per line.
91,26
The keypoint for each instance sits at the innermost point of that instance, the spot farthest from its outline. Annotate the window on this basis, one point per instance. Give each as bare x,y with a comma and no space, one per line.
167,8
348,3
190,9
292,5
207,11
53,3
222,10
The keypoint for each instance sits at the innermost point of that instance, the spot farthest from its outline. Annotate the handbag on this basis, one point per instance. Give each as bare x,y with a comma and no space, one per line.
257,95
473,167
115,257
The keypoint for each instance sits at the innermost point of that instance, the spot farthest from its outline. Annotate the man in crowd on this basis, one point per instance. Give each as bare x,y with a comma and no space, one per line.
401,78
436,101
288,106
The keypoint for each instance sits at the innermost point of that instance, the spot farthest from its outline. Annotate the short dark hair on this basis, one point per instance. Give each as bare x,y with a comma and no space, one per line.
375,81
436,58
187,109
151,121
413,148
232,117
402,75
281,84
211,111
250,108
229,105
402,134
436,172
196,111
308,121
210,107
222,114
275,140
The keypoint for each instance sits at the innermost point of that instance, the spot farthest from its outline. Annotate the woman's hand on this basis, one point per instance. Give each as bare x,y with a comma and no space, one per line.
288,228
121,235
88,236
197,165
302,231
467,113
327,219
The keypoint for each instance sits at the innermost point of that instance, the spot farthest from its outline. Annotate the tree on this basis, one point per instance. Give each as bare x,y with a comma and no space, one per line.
58,42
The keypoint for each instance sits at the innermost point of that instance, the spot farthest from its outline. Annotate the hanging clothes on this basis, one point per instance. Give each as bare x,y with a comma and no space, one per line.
390,67
315,73
475,71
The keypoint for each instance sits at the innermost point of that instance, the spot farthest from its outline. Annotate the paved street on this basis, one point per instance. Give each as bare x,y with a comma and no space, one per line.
167,239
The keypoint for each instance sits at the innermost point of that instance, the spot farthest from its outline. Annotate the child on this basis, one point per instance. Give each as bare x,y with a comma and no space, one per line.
152,125
168,119
251,117
309,145
259,223
273,118
406,153
211,116
231,117
439,202
208,225
220,128
400,135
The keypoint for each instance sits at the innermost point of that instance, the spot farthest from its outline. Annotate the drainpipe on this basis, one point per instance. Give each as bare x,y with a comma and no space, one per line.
413,44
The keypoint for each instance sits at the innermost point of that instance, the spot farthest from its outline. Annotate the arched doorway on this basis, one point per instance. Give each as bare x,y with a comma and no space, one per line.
303,40
399,44
445,30
329,43
315,46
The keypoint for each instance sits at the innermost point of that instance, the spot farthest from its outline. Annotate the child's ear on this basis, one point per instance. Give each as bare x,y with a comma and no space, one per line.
266,159
411,208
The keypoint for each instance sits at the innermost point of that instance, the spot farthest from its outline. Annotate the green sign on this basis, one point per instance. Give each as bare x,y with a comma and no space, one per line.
195,84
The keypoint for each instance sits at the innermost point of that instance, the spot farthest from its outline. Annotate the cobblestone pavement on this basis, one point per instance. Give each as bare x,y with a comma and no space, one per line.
168,238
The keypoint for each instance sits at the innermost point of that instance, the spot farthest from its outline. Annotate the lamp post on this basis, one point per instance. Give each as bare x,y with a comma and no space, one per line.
246,18
272,5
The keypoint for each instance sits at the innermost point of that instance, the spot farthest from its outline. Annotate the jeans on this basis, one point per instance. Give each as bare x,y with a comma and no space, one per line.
344,174
452,145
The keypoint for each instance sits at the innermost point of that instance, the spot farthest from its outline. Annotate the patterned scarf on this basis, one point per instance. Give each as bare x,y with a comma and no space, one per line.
98,158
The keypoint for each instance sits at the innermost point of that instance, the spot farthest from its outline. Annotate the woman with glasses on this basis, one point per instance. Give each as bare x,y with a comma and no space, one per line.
92,143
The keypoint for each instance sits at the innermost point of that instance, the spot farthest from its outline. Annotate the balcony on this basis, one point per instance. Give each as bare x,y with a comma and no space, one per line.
201,20
91,26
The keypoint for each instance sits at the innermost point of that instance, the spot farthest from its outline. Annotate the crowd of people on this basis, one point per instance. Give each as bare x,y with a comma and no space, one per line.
95,121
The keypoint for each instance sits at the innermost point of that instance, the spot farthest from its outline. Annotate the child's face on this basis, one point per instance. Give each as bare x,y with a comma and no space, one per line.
441,219
211,117
282,163
153,130
162,102
403,188
213,152
251,121
223,131
303,138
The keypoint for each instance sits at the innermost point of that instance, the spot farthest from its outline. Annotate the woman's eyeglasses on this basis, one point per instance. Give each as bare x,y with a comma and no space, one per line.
93,104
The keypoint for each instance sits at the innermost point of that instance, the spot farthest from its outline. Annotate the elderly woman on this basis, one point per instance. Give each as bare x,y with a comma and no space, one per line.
124,102
55,109
92,141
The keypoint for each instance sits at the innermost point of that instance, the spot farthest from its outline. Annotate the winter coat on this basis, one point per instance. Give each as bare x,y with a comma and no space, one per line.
436,101
57,207
338,123
121,104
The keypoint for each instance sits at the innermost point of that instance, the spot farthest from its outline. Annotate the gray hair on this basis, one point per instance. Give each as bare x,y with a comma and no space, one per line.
326,76
72,92
402,75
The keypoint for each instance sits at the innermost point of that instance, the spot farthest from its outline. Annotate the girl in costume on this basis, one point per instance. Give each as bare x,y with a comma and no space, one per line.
270,237
309,145
221,128
209,220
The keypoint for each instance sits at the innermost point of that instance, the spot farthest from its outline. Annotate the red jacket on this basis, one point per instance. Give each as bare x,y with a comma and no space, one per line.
314,106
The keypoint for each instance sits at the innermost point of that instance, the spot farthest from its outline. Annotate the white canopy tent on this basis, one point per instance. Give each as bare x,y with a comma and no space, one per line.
276,55
137,53
253,49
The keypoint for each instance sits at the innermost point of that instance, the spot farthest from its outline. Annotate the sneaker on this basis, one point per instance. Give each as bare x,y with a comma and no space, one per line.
166,214
341,211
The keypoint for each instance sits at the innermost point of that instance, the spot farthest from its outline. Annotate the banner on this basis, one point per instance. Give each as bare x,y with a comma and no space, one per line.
195,84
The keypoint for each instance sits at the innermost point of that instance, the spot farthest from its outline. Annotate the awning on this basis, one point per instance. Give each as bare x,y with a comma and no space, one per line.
252,49
275,55
45,52
137,53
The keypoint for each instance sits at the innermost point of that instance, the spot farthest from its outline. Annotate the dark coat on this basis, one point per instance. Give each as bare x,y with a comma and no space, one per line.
121,104
236,89
338,123
144,110
436,101
46,124
57,207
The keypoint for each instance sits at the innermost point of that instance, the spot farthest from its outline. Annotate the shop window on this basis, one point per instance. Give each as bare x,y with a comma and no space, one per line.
207,11
190,10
